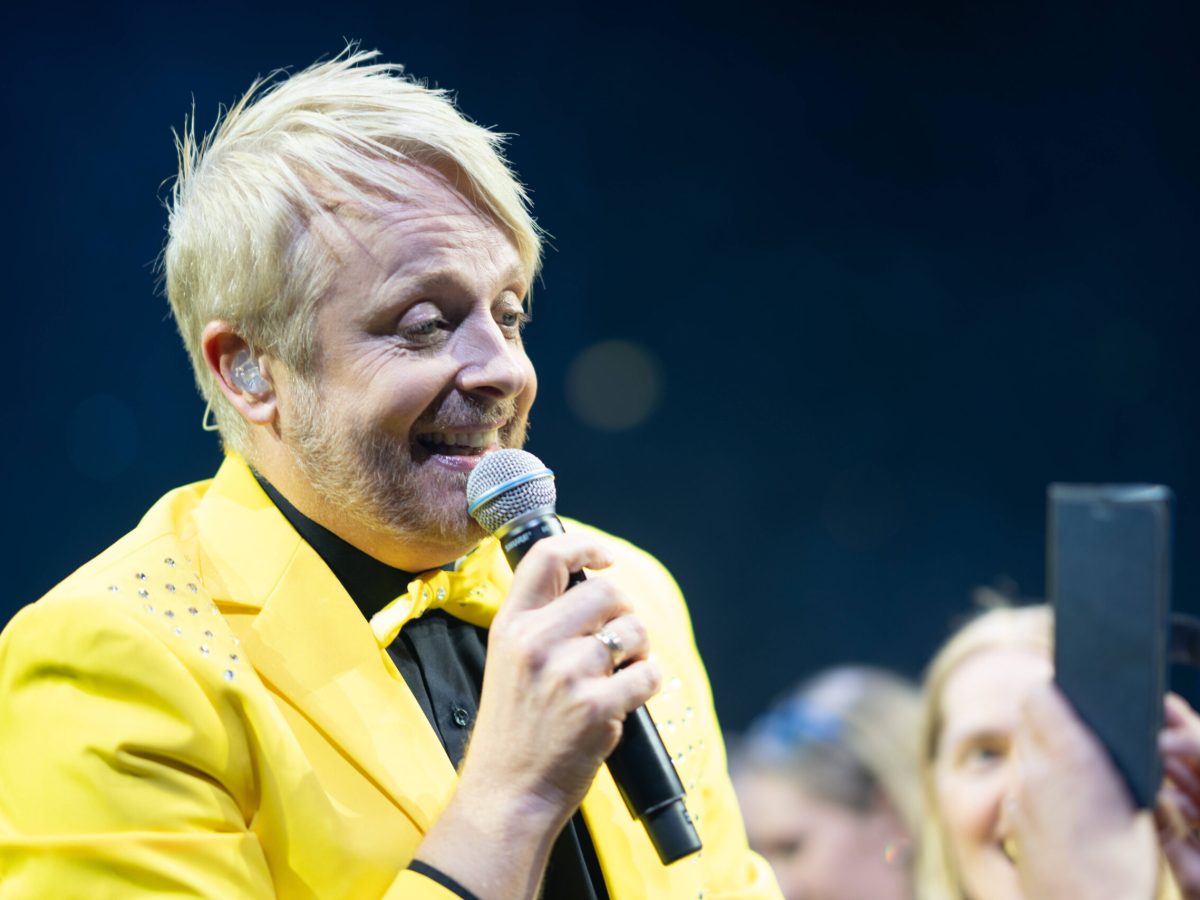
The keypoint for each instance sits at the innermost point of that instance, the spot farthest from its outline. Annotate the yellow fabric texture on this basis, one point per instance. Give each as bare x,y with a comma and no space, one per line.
203,711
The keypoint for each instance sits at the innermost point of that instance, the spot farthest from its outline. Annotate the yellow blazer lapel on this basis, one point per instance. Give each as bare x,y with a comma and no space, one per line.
311,645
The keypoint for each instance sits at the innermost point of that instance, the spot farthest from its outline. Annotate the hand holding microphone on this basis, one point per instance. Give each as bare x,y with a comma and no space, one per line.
549,714
511,494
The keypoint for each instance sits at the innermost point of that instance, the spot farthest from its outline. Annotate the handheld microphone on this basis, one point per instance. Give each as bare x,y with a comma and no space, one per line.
511,494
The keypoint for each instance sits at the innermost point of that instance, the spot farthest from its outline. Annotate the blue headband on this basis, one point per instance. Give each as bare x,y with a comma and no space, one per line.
793,723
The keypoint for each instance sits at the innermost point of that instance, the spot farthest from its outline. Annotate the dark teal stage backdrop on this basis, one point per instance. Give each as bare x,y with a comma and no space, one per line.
877,272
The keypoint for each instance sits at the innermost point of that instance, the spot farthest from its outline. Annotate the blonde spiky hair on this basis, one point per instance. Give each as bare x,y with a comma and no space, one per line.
238,246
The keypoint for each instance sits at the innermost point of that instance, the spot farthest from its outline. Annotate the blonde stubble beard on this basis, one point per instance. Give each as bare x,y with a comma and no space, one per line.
370,477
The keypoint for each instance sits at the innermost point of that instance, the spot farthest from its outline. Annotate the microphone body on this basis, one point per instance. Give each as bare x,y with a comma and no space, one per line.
640,764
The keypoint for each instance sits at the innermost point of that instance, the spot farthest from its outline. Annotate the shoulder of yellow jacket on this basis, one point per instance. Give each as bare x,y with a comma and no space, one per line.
148,577
169,518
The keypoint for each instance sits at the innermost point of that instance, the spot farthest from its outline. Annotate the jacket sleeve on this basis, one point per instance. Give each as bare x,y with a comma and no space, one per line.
732,871
118,775
123,771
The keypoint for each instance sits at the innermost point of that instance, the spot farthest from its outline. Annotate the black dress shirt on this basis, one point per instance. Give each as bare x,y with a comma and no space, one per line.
441,659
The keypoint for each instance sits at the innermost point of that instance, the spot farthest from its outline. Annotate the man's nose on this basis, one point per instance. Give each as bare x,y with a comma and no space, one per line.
490,363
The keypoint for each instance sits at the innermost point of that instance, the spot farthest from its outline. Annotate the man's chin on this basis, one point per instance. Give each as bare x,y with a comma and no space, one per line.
441,520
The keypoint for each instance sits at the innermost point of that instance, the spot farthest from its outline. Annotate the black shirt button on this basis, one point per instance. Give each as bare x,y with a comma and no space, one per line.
461,716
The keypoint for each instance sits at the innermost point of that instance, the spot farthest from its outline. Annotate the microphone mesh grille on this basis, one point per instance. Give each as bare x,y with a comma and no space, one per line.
497,469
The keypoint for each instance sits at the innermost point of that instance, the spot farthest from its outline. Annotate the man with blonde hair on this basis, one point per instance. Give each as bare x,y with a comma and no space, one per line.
267,687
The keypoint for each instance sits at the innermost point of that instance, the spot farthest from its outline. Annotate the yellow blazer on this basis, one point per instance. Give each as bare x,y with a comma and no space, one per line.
203,711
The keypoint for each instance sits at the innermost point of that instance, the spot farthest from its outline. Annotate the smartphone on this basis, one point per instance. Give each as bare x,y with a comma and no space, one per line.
1109,580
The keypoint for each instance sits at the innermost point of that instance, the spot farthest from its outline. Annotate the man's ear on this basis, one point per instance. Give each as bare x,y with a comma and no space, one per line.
244,378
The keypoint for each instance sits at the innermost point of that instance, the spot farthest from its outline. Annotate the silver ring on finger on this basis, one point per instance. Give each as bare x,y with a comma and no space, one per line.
612,642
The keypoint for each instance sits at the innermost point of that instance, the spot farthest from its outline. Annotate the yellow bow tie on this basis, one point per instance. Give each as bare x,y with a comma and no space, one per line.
472,593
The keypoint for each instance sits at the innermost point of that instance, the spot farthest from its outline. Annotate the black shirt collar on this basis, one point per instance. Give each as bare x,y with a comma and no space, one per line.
370,583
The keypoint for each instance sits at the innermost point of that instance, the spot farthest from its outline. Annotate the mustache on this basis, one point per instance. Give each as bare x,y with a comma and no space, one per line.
468,411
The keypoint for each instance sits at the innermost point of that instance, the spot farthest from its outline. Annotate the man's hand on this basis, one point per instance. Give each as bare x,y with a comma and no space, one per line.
552,704
551,712
1078,835
1178,810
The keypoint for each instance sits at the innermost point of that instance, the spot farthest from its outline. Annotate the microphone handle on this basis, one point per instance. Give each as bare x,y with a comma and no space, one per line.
640,764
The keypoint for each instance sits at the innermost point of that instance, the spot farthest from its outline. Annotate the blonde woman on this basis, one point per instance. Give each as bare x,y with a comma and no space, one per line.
828,786
1022,802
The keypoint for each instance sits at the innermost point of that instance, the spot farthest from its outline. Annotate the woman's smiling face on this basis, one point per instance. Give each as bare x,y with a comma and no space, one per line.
980,710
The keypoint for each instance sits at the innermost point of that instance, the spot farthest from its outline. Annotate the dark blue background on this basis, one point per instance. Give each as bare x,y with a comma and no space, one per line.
902,264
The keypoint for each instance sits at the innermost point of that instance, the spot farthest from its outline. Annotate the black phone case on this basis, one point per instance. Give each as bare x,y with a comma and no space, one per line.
1108,577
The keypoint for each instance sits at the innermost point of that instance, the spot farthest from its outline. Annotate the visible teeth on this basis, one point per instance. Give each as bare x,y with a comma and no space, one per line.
462,438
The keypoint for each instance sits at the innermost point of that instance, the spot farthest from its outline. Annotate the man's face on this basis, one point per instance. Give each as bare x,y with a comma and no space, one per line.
421,369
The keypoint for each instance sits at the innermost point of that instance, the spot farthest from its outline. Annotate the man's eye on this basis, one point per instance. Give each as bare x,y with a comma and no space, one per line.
423,330
513,320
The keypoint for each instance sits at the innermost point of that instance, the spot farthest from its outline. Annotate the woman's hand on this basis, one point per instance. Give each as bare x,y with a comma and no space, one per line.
1178,810
1077,832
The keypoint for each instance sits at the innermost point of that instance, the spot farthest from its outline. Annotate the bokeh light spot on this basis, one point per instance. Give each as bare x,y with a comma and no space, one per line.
614,385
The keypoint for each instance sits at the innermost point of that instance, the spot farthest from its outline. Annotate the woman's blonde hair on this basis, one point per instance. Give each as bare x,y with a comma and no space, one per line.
291,149
1000,628
848,736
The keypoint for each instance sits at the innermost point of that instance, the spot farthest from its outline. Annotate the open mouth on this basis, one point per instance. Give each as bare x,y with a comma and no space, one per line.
460,443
